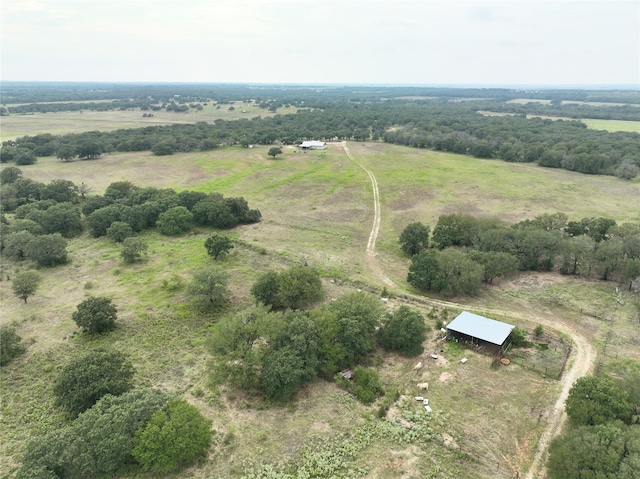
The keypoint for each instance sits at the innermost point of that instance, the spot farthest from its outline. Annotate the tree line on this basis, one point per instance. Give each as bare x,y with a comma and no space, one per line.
443,126
464,251
603,438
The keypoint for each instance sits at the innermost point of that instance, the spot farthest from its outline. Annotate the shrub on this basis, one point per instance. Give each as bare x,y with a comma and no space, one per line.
133,249
10,345
119,231
96,315
209,288
404,331
174,436
367,384
175,221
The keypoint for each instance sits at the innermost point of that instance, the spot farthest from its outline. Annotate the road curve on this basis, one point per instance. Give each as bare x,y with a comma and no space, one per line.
583,356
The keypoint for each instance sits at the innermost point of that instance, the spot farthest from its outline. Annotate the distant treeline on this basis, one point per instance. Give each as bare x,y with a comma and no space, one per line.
38,92
445,126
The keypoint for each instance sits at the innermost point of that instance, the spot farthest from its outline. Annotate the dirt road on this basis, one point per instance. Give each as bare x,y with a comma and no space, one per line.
582,359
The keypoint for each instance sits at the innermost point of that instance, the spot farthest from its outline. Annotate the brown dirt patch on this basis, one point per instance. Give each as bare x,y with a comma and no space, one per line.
445,377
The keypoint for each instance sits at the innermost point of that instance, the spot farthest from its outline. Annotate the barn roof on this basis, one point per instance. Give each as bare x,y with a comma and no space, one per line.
479,327
312,144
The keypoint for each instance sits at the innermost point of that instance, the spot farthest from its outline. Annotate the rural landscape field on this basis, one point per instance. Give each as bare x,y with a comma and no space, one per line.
338,211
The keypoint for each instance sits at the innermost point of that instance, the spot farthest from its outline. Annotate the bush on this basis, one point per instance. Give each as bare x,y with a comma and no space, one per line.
119,231
175,221
367,385
209,288
95,315
87,378
174,436
133,249
404,331
10,345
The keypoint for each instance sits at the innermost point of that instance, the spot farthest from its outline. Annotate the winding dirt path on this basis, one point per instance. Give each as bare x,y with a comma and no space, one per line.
583,355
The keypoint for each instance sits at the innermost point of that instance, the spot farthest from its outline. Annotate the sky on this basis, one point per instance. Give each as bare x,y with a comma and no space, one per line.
399,42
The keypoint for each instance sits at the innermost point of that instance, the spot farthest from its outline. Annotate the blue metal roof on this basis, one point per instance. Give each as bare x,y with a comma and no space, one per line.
479,327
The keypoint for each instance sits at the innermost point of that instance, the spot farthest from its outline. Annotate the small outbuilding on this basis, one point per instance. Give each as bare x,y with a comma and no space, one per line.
479,330
313,145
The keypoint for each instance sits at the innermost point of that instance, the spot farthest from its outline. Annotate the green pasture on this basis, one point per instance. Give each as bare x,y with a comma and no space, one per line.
613,125
317,208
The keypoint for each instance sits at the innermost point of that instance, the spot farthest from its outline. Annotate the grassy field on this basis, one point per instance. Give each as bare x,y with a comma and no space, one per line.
613,125
59,123
317,208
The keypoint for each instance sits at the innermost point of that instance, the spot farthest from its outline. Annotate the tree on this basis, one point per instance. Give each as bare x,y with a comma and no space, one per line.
496,264
25,284
632,271
265,289
95,315
60,191
424,272
460,275
174,436
100,219
63,218
119,231
218,245
214,211
23,156
97,443
90,376
47,250
403,330
88,150
627,170
299,286
595,400
120,189
11,345
610,451
209,287
175,221
455,230
10,174
283,372
357,315
274,151
133,249
414,238
15,244
66,153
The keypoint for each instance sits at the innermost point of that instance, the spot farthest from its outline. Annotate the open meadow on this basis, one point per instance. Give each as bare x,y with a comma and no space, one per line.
60,123
317,208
